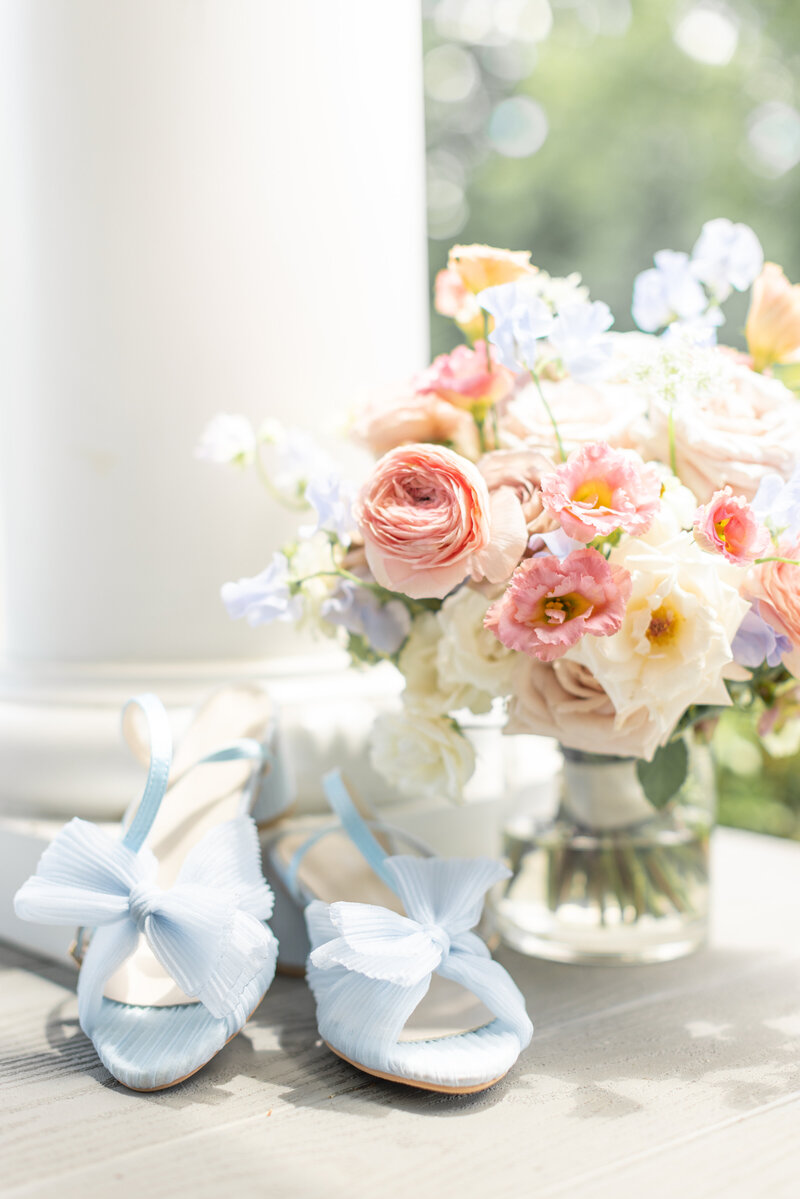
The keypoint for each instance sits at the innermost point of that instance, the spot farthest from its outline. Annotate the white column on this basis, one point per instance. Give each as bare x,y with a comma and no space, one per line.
206,205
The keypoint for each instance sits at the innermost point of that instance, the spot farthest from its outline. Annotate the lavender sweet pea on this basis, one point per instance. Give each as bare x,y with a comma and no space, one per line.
264,598
383,626
521,319
756,642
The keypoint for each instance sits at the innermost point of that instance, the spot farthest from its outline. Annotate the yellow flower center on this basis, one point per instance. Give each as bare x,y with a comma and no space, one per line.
594,492
557,609
664,625
720,526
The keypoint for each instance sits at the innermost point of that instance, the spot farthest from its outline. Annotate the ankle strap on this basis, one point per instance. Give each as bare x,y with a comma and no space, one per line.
358,830
160,740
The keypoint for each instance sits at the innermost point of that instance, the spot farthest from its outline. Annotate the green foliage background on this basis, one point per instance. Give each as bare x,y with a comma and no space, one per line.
644,144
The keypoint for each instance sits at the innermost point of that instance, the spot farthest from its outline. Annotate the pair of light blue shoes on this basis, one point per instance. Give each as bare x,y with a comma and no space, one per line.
173,936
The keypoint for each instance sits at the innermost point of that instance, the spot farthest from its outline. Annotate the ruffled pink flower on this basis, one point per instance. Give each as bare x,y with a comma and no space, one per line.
463,378
550,604
727,525
598,490
425,518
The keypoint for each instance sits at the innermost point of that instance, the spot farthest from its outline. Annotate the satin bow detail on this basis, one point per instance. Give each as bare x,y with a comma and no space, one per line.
206,931
443,898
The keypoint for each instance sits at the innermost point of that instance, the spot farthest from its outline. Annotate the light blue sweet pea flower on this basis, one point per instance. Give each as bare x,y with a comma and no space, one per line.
777,504
700,331
264,598
357,609
521,319
667,292
727,256
579,337
332,501
757,642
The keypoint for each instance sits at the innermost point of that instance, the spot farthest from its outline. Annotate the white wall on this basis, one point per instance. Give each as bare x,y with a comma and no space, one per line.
205,205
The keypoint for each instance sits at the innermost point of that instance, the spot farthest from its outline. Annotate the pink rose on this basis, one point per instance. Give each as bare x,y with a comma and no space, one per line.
598,490
727,525
425,517
412,418
550,604
463,378
776,588
564,700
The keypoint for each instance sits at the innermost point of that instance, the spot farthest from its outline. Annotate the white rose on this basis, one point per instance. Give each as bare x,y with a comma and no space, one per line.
468,654
674,645
422,756
598,412
426,691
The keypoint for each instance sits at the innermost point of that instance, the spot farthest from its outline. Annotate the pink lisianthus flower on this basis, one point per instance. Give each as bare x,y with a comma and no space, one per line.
599,489
463,378
550,604
727,525
425,516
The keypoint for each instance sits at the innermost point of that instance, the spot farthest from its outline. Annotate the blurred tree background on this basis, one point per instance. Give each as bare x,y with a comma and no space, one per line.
595,132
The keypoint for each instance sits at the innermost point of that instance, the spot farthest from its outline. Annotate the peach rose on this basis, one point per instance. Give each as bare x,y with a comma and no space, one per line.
480,267
563,699
416,417
731,432
463,378
521,472
775,586
425,517
773,322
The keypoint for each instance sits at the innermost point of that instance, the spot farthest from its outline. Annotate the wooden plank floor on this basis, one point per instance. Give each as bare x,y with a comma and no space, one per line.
680,1080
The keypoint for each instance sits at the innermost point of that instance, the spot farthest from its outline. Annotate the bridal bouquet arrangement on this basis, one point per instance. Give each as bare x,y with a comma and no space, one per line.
597,533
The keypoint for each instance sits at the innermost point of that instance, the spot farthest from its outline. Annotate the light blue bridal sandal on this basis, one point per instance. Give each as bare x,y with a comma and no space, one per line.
404,990
179,954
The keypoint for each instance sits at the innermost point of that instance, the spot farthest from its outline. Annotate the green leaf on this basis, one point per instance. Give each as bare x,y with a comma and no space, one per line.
789,375
666,774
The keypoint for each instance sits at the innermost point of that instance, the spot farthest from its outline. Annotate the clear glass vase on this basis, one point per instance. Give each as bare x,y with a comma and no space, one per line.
607,877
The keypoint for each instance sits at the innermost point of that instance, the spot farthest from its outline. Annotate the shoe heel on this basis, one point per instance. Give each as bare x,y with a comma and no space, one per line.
287,921
275,788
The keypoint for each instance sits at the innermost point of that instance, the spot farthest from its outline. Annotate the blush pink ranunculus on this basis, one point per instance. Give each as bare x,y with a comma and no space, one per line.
727,525
598,490
463,378
414,417
424,514
550,604
775,586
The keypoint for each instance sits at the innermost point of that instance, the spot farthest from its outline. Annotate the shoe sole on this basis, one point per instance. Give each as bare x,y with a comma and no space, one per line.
422,1086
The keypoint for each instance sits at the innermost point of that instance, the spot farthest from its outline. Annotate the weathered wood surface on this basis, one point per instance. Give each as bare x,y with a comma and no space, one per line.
680,1080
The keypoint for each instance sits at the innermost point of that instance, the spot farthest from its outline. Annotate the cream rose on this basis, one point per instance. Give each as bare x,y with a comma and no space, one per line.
422,756
563,699
731,427
584,413
469,655
674,645
428,689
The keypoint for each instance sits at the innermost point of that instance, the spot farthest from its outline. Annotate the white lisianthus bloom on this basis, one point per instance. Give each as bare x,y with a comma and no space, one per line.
674,646
228,438
678,503
422,756
426,691
467,653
